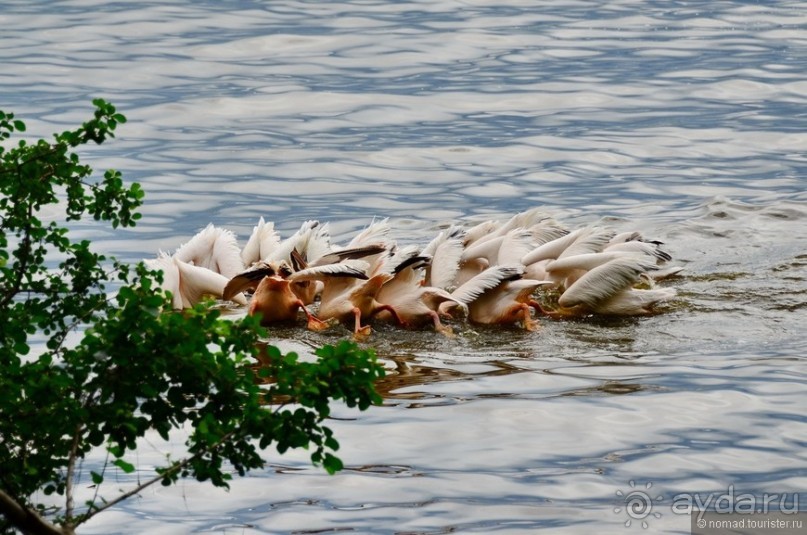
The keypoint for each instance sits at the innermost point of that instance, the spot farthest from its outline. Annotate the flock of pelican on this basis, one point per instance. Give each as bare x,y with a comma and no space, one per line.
490,273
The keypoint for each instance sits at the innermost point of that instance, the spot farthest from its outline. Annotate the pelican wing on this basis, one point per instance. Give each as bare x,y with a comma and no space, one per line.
520,290
648,248
591,240
547,230
350,254
451,233
634,301
197,250
516,244
434,297
623,237
298,240
487,249
480,231
316,243
665,272
524,219
370,288
376,232
446,251
408,268
399,259
247,280
227,256
263,240
196,282
322,273
485,281
398,289
606,281
588,261
213,248
552,249
165,264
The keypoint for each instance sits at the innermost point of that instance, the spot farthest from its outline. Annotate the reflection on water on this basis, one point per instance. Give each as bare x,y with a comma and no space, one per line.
682,119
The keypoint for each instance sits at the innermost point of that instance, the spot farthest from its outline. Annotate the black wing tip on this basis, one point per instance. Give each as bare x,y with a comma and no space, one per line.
410,262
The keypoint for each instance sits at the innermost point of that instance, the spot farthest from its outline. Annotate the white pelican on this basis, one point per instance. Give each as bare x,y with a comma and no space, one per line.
213,248
263,240
490,270
529,219
479,232
275,301
414,303
188,283
445,251
308,290
274,295
311,241
581,241
508,248
608,288
499,295
349,295
376,232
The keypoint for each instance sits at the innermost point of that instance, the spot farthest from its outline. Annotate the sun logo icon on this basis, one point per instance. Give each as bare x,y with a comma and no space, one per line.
638,504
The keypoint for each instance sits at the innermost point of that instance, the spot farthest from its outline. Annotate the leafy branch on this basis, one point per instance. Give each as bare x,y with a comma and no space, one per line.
138,366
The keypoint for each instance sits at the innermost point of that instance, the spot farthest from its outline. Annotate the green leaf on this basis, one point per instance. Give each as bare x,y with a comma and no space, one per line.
97,478
127,468
332,464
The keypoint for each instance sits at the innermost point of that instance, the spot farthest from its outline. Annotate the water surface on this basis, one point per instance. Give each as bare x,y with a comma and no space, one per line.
683,119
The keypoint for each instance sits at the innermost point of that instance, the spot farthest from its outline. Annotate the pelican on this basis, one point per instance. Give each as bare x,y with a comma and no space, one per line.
188,283
274,297
499,295
415,303
479,232
311,240
349,295
633,242
376,232
309,246
581,241
489,271
213,248
276,302
543,227
200,267
263,240
508,248
445,251
608,288
308,290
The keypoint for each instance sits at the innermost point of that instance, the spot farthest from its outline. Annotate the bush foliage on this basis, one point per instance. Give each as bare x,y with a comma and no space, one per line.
137,366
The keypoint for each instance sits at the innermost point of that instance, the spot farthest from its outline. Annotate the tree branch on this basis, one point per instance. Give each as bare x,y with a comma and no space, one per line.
19,270
71,467
172,470
25,518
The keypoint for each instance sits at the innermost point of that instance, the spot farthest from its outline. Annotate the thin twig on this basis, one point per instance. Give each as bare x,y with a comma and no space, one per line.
26,247
172,470
98,485
71,468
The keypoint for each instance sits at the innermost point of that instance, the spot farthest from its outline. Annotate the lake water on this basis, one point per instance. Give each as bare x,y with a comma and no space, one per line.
685,120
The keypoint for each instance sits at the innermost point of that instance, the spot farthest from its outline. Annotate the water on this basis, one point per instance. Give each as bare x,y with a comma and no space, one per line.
683,119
